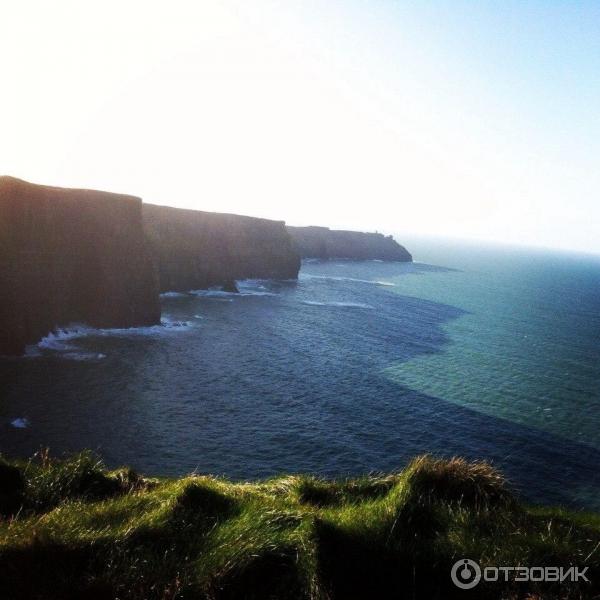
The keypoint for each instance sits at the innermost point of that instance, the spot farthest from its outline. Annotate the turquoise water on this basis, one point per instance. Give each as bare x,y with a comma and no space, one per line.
483,352
527,346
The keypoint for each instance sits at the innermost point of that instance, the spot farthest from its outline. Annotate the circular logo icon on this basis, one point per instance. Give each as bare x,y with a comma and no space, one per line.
466,573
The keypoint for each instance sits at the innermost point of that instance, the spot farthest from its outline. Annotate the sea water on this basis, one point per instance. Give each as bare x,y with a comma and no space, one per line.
484,352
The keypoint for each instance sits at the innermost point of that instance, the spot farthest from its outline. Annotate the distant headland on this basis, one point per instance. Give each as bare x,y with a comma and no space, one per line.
325,243
85,256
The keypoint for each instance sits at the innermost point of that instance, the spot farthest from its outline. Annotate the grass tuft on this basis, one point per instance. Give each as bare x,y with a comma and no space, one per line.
50,481
476,485
320,492
72,529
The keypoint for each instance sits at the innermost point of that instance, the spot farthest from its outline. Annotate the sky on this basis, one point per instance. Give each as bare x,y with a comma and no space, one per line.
467,119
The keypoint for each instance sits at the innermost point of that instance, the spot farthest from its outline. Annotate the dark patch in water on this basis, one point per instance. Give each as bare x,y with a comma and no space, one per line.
266,384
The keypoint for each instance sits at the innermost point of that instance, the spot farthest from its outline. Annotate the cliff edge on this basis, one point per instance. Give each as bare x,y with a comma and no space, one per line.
71,256
195,249
72,529
325,243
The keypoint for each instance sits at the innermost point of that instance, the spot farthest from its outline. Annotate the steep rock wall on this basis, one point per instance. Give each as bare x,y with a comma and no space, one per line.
71,256
195,249
325,243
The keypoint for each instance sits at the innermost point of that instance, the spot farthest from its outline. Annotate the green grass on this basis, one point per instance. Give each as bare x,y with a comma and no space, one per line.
72,529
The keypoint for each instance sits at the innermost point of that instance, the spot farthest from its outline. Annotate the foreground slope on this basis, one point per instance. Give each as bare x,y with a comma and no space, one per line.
71,256
73,530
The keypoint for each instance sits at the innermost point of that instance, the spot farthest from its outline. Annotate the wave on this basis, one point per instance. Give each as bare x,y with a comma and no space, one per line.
20,423
213,293
82,356
338,304
57,343
256,293
428,268
248,287
352,279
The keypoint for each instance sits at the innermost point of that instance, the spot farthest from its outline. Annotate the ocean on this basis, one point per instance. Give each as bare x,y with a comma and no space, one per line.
486,352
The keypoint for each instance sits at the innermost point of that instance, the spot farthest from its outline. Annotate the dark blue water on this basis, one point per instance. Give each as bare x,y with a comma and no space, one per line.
481,352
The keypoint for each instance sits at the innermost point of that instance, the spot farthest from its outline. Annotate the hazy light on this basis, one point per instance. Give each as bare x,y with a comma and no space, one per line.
465,119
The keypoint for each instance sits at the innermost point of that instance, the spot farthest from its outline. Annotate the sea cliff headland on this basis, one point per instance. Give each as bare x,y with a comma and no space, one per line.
71,256
195,249
101,259
325,243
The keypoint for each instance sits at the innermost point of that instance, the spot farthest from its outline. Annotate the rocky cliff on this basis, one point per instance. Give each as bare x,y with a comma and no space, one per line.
195,249
71,256
325,243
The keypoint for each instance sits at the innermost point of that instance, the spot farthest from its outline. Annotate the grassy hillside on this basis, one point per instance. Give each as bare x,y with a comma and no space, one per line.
70,529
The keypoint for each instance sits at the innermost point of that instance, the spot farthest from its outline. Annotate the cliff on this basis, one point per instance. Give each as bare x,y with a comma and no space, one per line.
70,256
196,249
325,243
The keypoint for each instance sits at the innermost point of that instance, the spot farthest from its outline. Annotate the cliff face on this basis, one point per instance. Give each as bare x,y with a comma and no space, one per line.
325,243
71,256
196,249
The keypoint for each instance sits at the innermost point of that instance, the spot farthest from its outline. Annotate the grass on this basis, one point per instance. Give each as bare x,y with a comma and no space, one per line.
72,529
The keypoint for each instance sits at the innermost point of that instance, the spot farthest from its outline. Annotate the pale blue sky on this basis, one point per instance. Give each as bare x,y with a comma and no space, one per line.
469,119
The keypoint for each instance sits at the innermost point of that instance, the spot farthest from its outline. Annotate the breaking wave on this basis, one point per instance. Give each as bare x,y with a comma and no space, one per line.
247,287
352,279
59,342
338,304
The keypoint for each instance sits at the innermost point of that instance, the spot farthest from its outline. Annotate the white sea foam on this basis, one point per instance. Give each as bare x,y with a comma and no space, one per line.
254,287
213,293
260,283
246,287
173,295
338,304
85,356
244,292
58,342
341,278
